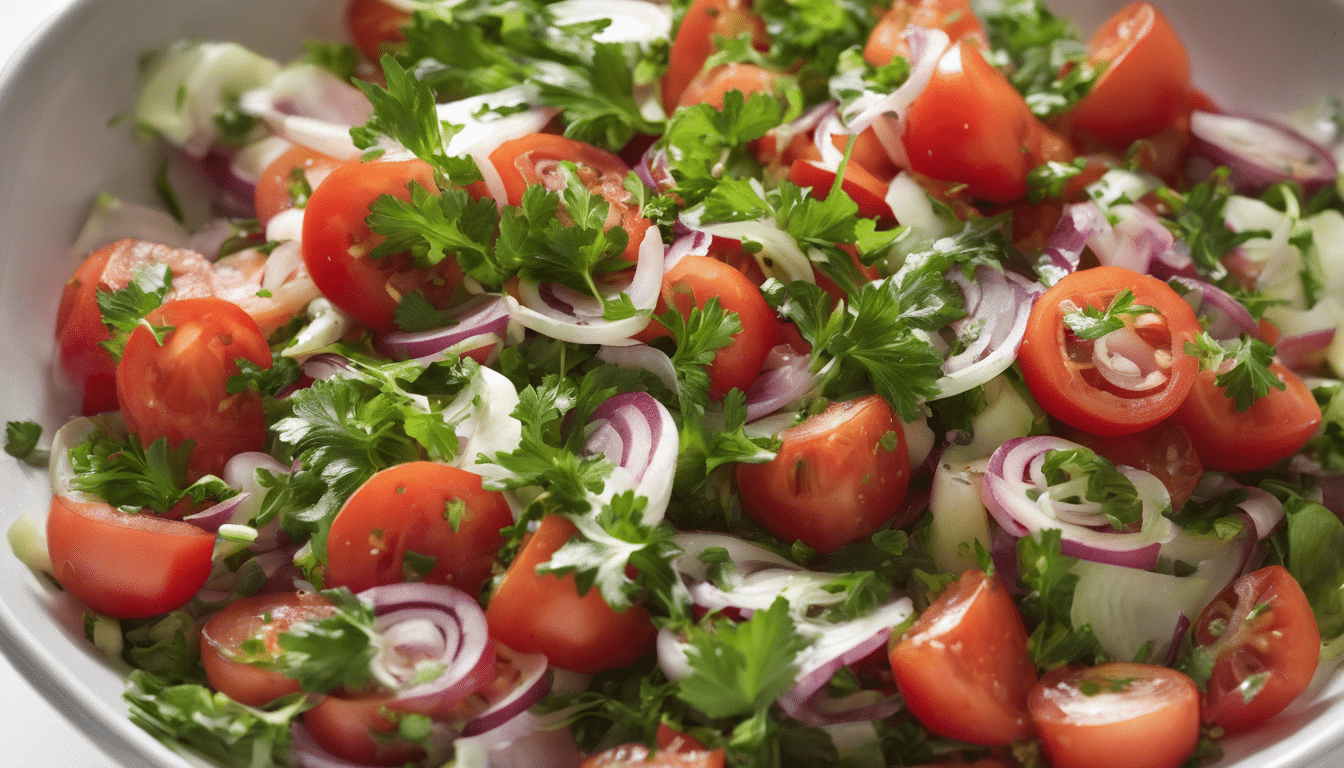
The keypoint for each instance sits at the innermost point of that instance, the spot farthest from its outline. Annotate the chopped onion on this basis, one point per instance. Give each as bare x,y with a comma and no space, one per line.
485,315
527,683
637,434
998,304
1259,152
1228,317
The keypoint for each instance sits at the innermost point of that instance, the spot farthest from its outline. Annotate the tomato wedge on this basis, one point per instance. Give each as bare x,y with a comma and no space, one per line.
230,640
963,668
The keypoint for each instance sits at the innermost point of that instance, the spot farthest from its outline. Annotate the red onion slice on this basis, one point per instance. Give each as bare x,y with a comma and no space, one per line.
522,681
637,433
998,304
424,625
1227,317
486,315
1014,470
1260,152
1304,351
926,48
1135,240
784,379
309,105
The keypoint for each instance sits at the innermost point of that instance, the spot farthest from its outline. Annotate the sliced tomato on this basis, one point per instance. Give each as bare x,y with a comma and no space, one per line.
178,389
837,478
362,730
694,41
1061,371
971,126
337,242
536,159
543,613
79,322
289,180
955,17
963,668
710,85
1263,641
1117,715
639,756
692,282
128,566
418,521
1272,429
1146,82
242,637
1166,451
865,189
375,26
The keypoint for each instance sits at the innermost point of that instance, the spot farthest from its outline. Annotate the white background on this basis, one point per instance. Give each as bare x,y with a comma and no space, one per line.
33,734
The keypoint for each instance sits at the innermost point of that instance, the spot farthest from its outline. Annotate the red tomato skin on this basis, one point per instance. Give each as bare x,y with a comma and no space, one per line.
79,322
1166,451
836,479
970,125
693,42
543,613
692,282
963,667
1146,84
177,390
272,194
123,565
375,27
359,730
536,158
1057,383
638,756
337,240
1272,429
1079,732
402,509
868,191
711,85
262,617
1282,641
955,17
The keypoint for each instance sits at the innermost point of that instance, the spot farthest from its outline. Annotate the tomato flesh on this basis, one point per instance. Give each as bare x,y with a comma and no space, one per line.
230,668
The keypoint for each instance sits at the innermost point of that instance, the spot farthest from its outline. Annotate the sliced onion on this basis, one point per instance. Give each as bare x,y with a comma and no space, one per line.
60,472
1064,248
998,304
326,366
1260,152
528,684
784,379
1262,507
327,324
482,315
835,645
637,433
642,357
632,21
113,219
1304,351
431,624
1227,317
221,513
309,105
1128,362
1014,470
779,255
926,48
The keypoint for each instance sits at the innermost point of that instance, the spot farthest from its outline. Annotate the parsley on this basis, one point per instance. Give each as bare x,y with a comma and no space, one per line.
124,309
434,225
331,652
1048,603
1102,484
135,478
1041,53
21,439
341,59
704,145
281,375
1242,365
1199,221
1048,181
1092,323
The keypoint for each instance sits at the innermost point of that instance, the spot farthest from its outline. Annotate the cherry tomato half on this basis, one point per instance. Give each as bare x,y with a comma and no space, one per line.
639,756
290,179
79,322
836,479
233,665
1062,374
128,566
177,389
710,86
1117,715
1146,82
543,613
1273,428
694,41
337,242
963,668
418,521
1166,451
1264,643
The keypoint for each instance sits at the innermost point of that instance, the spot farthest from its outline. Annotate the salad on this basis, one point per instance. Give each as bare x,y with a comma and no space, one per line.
709,384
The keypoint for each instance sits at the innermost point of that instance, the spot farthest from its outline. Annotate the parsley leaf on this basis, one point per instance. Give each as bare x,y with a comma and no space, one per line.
1048,604
21,439
331,652
739,668
1041,53
135,478
1103,484
1242,365
124,309
1092,323
1199,221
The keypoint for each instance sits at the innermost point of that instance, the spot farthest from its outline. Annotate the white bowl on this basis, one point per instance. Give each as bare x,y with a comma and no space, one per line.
59,152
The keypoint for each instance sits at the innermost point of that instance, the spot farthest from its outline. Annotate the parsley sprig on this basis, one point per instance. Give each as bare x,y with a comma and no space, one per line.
1091,323
1242,365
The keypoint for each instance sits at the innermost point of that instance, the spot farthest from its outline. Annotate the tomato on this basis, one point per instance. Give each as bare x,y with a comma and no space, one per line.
285,178
128,566
868,191
79,322
1146,82
970,125
418,521
638,755
375,26
337,241
233,666
1166,451
177,389
1263,641
955,17
710,85
536,158
1273,428
963,668
692,282
1117,715
837,478
1059,368
361,730
543,613
694,41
